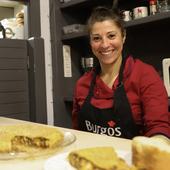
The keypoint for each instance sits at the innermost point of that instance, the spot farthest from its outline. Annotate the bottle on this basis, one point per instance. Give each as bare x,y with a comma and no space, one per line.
153,7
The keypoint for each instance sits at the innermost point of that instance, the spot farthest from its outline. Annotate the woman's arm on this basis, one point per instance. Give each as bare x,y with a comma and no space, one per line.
155,103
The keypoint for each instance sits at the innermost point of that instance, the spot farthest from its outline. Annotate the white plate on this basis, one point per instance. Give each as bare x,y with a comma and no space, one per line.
59,162
69,138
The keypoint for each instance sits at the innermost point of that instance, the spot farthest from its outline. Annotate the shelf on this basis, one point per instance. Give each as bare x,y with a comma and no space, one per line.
137,22
84,3
74,35
148,19
72,3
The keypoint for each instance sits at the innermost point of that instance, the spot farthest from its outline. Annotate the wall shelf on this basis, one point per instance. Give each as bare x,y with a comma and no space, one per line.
137,22
149,19
72,3
84,3
74,35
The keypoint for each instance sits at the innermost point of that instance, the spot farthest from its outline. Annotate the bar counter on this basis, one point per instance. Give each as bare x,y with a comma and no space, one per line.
83,140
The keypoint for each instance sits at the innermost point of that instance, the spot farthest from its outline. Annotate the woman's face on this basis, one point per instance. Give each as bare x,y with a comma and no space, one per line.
106,41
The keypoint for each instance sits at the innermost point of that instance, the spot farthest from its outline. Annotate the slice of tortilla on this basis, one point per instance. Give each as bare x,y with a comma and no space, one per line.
97,158
27,137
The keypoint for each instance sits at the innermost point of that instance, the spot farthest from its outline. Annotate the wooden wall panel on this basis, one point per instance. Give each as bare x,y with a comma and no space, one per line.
14,91
12,86
13,108
13,97
12,63
12,75
17,52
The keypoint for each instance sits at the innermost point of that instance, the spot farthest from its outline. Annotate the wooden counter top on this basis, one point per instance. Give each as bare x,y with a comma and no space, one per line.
83,139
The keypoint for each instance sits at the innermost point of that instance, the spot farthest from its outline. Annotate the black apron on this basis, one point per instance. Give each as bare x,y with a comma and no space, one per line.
117,121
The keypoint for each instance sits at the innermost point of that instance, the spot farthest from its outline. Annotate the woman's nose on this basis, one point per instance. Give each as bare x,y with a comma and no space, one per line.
104,43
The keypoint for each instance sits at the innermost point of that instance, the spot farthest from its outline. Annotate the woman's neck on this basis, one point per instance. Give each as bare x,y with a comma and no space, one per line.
110,72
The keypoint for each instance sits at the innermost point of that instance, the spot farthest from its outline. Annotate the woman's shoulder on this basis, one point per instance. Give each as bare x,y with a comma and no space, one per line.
145,69
143,66
139,70
135,66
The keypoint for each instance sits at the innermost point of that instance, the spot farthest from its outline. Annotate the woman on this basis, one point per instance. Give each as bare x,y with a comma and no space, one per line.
124,97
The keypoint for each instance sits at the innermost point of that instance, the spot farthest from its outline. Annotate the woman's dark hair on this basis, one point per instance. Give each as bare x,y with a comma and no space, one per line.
101,13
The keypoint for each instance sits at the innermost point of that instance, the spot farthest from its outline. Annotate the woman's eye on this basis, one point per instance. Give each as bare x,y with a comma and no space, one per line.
111,36
96,39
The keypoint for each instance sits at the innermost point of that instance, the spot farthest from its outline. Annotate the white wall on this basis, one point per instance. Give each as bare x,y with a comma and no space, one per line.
45,33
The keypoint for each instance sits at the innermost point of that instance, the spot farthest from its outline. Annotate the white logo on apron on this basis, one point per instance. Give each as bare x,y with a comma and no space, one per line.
103,130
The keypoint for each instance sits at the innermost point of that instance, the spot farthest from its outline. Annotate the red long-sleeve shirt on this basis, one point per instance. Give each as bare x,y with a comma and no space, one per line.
145,91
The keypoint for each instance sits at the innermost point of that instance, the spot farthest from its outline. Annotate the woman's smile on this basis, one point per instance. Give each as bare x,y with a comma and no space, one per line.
108,52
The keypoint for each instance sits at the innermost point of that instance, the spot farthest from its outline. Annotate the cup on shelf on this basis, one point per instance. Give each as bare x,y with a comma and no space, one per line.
127,15
163,5
140,12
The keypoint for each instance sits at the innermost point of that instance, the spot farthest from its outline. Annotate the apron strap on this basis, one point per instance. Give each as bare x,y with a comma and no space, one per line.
120,77
122,107
92,84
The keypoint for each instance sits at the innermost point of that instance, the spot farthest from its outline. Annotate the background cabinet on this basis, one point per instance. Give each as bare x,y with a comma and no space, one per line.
147,38
22,70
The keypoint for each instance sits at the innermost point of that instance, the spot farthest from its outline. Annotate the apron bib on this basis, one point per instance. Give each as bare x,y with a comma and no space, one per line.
117,121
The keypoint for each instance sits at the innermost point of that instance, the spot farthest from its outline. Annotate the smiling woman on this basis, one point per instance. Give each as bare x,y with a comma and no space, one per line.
121,94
